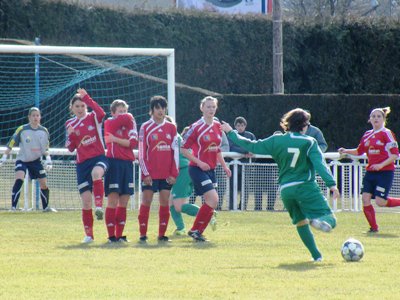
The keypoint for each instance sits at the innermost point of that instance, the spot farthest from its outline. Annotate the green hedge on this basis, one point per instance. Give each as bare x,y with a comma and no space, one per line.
342,118
224,53
233,55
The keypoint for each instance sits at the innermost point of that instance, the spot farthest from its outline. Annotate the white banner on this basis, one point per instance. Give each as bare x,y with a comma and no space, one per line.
226,6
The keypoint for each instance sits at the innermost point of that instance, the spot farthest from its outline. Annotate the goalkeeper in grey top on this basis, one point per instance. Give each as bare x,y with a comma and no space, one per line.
298,157
33,141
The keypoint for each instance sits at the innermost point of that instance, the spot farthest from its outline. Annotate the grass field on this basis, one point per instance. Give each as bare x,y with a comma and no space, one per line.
252,255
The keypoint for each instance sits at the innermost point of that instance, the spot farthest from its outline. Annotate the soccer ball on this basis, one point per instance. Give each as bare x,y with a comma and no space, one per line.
352,250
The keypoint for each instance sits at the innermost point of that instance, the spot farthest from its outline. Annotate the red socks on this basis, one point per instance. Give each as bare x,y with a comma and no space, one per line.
163,214
203,218
98,192
143,218
110,221
120,218
392,202
369,213
87,219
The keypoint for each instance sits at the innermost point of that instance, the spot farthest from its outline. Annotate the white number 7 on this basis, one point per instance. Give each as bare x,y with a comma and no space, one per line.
296,153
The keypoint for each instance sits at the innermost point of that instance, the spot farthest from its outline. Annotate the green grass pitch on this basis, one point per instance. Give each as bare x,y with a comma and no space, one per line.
252,255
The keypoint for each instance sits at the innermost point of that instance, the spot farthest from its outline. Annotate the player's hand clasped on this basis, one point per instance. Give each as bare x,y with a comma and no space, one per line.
171,180
204,166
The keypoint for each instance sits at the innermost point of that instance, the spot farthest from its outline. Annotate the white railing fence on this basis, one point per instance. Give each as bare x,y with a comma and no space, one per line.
253,185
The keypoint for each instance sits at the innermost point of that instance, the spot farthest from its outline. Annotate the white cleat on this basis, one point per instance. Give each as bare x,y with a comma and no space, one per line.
321,225
87,240
13,209
317,260
49,209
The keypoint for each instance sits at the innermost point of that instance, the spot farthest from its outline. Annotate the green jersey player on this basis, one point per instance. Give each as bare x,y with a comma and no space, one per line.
298,157
180,193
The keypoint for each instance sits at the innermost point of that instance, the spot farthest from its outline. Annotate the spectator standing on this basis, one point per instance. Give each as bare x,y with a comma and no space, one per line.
240,128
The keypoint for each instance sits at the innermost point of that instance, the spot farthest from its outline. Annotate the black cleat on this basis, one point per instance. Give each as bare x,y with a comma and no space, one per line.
112,239
123,239
197,236
163,239
143,239
371,230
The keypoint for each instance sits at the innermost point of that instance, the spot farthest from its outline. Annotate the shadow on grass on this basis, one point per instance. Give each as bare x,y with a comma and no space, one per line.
304,266
150,246
95,246
188,244
381,235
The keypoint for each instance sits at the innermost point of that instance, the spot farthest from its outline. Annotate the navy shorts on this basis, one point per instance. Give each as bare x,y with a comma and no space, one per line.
203,181
158,185
84,172
119,177
35,168
378,183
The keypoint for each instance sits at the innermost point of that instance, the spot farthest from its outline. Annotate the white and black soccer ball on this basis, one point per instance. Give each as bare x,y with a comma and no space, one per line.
352,250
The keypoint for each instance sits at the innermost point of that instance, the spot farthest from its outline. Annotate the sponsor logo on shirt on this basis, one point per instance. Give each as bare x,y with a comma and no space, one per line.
162,146
378,142
374,151
86,140
212,148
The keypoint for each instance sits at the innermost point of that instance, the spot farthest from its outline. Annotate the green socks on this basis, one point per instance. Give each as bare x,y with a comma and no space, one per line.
177,218
308,239
190,209
187,208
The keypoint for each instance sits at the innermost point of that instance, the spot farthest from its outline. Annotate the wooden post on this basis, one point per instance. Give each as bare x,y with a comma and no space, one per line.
277,60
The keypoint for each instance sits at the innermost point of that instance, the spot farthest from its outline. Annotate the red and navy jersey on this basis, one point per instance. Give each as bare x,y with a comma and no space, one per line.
124,127
87,138
158,150
378,145
205,141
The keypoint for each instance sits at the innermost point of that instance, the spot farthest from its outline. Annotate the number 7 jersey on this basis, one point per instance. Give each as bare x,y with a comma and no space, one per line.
298,156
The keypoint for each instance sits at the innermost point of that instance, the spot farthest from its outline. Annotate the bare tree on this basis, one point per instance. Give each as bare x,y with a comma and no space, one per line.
340,8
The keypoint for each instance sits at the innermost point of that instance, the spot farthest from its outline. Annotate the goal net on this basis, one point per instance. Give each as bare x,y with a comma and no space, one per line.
48,76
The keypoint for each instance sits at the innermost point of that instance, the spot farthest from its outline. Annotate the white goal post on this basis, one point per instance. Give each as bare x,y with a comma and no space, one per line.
107,51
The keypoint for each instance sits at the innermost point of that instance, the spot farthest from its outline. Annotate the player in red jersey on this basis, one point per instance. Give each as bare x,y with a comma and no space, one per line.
382,150
204,139
159,162
84,135
121,138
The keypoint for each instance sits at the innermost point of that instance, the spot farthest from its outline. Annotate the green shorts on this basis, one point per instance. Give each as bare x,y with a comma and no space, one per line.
183,187
305,201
